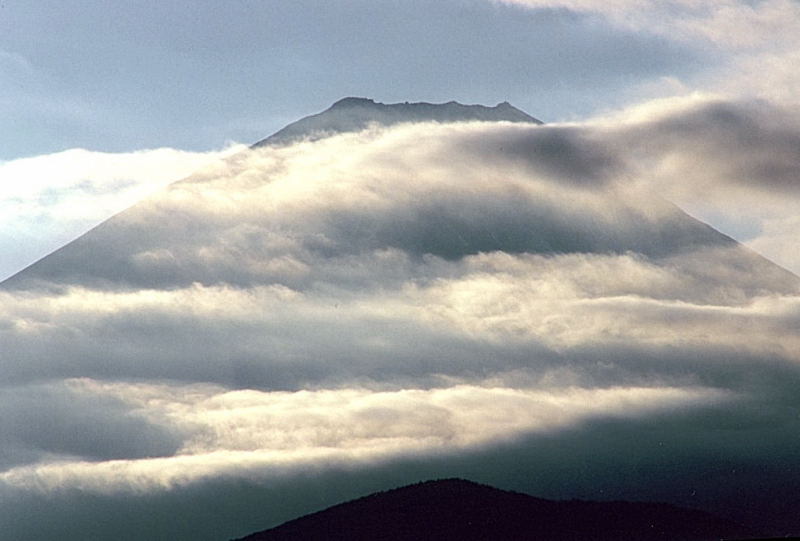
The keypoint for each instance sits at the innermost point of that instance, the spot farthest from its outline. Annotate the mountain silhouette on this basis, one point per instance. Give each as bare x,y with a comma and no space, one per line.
353,114
458,509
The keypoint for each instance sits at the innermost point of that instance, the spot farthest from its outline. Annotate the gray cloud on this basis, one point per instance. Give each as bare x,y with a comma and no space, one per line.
52,421
564,154
741,145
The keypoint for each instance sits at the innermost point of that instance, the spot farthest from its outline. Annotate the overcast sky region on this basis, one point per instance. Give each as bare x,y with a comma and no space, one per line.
537,307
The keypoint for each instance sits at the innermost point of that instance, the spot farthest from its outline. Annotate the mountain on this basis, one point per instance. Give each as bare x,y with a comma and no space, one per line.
354,114
194,231
98,257
457,509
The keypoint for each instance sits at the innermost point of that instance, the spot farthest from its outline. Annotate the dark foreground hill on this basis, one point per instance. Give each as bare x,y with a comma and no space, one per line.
463,510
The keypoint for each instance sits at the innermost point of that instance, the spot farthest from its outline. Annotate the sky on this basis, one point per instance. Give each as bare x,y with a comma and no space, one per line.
294,326
133,97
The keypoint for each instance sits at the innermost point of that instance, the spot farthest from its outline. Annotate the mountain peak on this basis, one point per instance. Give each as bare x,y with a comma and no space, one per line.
351,101
356,113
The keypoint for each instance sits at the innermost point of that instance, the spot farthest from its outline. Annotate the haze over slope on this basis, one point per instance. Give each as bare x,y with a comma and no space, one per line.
497,300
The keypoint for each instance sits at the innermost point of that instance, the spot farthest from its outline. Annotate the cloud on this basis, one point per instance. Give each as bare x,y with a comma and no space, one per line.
751,46
727,23
491,305
50,420
249,432
278,213
49,200
524,306
440,295
730,163
723,145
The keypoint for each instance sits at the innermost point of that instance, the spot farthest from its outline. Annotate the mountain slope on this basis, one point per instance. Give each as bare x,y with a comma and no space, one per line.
458,509
536,191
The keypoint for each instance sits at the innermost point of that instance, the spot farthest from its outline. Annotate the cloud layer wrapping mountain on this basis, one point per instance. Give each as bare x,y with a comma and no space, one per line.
419,298
47,201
